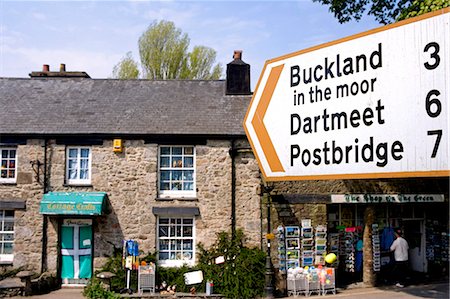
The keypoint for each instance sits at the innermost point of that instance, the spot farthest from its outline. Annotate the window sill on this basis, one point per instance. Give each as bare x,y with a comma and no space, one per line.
172,198
8,183
78,185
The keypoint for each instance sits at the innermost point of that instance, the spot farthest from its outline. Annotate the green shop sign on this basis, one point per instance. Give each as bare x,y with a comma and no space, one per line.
386,198
73,203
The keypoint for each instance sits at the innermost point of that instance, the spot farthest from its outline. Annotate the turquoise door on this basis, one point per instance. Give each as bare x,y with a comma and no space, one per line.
76,251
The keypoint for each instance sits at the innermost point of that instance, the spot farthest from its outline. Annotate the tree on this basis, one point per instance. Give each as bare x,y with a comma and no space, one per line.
163,51
127,68
384,11
199,64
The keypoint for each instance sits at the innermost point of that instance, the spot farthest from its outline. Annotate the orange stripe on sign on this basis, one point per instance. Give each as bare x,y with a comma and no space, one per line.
258,124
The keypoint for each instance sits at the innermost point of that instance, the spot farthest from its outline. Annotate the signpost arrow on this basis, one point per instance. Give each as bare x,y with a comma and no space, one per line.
372,105
258,124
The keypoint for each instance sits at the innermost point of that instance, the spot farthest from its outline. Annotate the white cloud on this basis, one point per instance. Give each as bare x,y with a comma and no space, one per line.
24,60
39,16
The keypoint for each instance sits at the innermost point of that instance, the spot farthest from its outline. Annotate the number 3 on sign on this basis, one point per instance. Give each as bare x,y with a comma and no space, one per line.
432,105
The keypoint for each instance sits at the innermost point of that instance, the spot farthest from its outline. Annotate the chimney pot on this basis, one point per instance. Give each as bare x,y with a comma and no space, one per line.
237,54
62,67
46,68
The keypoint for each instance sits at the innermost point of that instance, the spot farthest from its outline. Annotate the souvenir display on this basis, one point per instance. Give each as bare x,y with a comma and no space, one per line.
349,249
281,249
376,255
437,247
307,244
292,245
320,244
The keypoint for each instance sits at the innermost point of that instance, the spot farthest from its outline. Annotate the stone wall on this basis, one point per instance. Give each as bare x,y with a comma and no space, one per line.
28,222
130,180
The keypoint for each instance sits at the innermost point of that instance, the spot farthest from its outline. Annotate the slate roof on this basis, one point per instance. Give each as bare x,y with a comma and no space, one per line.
108,106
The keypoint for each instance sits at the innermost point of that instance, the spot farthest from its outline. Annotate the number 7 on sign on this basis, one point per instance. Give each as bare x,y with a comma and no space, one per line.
438,140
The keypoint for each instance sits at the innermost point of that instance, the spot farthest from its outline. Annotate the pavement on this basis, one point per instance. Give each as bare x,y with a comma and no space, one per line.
432,290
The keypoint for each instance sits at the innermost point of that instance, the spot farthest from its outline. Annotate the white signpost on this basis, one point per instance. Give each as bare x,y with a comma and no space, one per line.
371,105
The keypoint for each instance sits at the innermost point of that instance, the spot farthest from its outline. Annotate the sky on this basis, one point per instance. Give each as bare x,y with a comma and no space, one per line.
93,36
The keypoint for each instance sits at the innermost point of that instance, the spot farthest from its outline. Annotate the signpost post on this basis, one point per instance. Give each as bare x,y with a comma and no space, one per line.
372,105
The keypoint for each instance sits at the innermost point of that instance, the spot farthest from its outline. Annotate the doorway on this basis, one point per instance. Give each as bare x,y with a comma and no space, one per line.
76,251
414,234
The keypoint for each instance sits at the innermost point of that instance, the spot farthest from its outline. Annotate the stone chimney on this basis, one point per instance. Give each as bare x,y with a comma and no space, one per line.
45,73
238,76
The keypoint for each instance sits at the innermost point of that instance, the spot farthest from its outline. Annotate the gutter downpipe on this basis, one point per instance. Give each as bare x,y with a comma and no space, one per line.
45,219
233,189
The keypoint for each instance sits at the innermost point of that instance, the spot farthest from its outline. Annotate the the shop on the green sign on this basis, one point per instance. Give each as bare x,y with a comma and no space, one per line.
76,212
423,218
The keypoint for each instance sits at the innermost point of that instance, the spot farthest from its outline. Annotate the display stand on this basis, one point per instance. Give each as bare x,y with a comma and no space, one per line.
292,247
281,249
328,281
376,255
307,243
146,278
349,250
130,260
320,244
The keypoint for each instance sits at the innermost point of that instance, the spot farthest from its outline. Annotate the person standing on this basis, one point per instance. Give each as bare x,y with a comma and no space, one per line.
400,248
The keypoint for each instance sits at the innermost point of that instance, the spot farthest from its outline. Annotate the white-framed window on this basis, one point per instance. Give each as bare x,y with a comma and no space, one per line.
6,236
177,171
8,170
78,165
176,241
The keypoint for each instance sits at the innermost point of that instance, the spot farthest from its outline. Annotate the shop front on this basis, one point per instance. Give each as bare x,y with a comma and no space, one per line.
423,219
75,214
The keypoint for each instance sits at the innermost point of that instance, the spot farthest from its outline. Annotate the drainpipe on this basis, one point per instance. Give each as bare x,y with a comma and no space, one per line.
232,153
267,199
45,219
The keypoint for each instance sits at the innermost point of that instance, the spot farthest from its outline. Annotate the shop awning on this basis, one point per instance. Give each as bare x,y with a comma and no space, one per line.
73,203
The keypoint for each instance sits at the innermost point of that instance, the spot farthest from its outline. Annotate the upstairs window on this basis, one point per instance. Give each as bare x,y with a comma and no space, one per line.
177,171
8,171
78,166
6,236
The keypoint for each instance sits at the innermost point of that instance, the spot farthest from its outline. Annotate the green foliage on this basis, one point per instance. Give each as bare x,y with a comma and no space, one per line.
127,68
175,276
163,48
384,11
242,273
115,266
198,65
95,290
163,52
420,7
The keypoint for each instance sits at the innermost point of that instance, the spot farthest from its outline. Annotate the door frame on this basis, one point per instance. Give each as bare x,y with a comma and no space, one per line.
59,246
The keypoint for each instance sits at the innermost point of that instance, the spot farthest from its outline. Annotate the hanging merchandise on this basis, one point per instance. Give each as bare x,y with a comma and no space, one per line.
349,244
130,260
376,255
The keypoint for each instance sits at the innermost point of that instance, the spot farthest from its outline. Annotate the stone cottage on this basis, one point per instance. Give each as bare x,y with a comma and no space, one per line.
87,163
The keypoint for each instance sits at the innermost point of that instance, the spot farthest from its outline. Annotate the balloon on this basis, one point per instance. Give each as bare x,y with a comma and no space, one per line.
330,258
